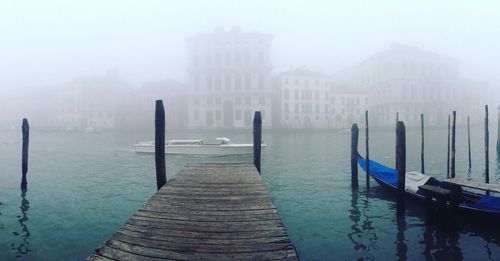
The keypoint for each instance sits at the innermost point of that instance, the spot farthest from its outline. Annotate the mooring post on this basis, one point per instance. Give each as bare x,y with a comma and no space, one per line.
448,149
486,146
422,154
498,133
367,151
24,161
257,139
468,140
354,155
401,166
161,172
453,150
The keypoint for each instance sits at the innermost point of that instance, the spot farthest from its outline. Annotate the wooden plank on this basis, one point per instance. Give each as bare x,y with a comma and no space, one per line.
474,184
216,211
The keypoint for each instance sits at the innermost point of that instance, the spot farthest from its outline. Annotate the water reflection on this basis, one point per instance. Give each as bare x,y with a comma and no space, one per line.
22,248
401,248
362,235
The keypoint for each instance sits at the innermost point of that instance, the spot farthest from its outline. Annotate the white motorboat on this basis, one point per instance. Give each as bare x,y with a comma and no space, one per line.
198,147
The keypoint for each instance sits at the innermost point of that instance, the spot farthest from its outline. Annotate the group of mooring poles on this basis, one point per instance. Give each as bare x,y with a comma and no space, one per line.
160,164
400,158
401,151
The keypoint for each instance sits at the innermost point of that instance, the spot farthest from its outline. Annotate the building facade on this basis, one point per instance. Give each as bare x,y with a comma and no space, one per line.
408,81
229,78
309,99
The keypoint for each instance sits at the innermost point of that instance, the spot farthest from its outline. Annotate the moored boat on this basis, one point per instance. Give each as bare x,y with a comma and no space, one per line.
471,202
198,147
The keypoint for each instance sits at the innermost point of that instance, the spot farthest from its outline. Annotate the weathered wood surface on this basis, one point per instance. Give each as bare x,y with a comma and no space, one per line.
212,211
475,185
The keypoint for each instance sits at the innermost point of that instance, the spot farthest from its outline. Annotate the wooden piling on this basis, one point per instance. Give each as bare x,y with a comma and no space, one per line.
367,150
453,150
486,146
24,161
448,149
257,139
354,155
161,172
401,166
498,133
468,140
422,153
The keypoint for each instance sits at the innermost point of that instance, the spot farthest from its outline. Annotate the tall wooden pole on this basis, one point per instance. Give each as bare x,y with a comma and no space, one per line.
448,149
498,133
401,166
24,161
257,139
354,155
486,146
422,153
453,150
161,172
367,150
468,139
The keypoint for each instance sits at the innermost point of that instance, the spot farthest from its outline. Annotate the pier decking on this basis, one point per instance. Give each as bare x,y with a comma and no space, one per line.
210,211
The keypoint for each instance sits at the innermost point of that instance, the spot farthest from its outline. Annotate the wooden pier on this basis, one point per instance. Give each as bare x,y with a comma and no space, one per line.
209,211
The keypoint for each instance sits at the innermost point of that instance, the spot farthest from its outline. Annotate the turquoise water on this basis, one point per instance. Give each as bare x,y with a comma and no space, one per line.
83,187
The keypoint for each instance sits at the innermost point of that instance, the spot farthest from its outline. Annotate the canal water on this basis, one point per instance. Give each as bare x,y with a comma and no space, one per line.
83,187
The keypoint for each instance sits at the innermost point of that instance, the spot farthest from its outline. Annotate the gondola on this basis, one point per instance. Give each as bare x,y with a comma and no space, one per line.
471,203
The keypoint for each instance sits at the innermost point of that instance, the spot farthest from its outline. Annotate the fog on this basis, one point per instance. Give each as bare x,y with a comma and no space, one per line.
48,45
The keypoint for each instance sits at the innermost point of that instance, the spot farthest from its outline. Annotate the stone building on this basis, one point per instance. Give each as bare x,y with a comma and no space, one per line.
408,81
229,78
309,99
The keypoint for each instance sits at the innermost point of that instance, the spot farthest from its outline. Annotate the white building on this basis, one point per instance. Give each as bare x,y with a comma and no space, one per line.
408,81
229,79
309,99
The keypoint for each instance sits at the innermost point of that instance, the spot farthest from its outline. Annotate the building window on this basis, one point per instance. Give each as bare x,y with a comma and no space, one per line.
237,82
248,117
238,115
197,81
286,93
210,118
262,100
209,100
261,57
285,107
218,115
217,100
247,81
238,58
217,81
228,59
246,58
209,82
196,101
261,81
227,82
196,115
238,100
296,94
296,108
247,100
263,114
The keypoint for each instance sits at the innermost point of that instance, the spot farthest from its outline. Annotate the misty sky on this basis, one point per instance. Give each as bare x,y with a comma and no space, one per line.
49,42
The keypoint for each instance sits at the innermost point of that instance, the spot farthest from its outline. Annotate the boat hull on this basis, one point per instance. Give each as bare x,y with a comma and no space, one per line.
212,150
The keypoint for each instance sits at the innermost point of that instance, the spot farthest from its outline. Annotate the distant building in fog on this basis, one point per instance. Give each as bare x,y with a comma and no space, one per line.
308,99
86,102
229,79
138,109
410,81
